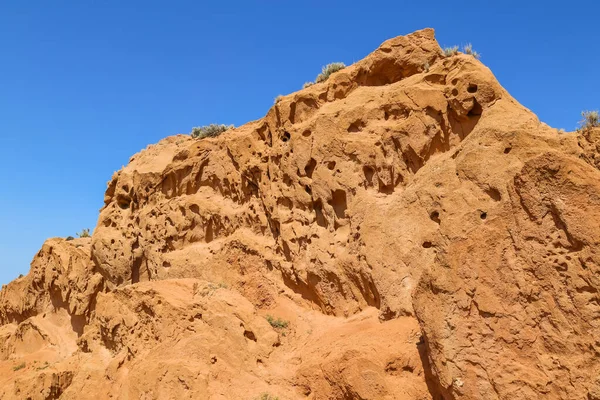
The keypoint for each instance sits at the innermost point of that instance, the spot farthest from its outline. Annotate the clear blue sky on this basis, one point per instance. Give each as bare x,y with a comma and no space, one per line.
86,84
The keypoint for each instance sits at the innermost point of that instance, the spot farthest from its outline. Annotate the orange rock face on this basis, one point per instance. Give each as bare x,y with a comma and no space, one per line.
403,230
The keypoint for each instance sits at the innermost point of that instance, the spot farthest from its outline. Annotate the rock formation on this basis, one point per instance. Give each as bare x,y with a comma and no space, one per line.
403,230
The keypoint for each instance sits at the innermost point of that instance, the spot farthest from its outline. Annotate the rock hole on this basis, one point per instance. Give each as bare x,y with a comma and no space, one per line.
507,150
426,245
483,215
339,203
135,270
250,335
454,81
472,88
385,188
287,180
318,207
286,202
306,133
369,172
382,72
356,126
123,203
331,165
494,194
286,251
285,137
308,189
476,110
439,79
209,234
192,318
435,216
454,92
166,264
310,167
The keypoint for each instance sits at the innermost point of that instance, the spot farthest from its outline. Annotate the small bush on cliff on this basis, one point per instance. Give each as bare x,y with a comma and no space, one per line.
591,119
43,367
307,84
451,51
277,323
468,49
85,233
267,396
278,99
328,70
212,287
19,367
212,130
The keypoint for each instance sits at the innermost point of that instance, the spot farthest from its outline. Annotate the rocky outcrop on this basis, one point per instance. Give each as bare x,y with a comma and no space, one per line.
307,188
62,276
409,229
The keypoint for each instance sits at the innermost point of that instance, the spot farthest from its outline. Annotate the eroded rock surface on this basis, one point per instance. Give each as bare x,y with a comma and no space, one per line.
423,235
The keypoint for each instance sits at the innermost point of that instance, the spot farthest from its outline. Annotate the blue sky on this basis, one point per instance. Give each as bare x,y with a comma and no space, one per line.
86,84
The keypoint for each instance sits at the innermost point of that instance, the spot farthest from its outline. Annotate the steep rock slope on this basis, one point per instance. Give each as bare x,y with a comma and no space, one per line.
423,233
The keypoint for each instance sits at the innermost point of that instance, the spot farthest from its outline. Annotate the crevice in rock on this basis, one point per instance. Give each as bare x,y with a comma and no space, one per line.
320,217
431,379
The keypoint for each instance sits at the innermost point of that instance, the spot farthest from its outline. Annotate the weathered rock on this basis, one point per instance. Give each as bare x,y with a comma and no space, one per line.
511,310
423,235
61,276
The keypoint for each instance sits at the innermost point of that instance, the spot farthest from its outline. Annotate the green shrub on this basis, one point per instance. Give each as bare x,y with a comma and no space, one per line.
468,49
69,238
212,130
19,367
267,396
43,367
212,287
277,323
328,70
591,119
451,51
85,233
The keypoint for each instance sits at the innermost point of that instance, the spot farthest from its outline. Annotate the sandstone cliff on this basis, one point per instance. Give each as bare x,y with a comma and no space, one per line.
408,228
